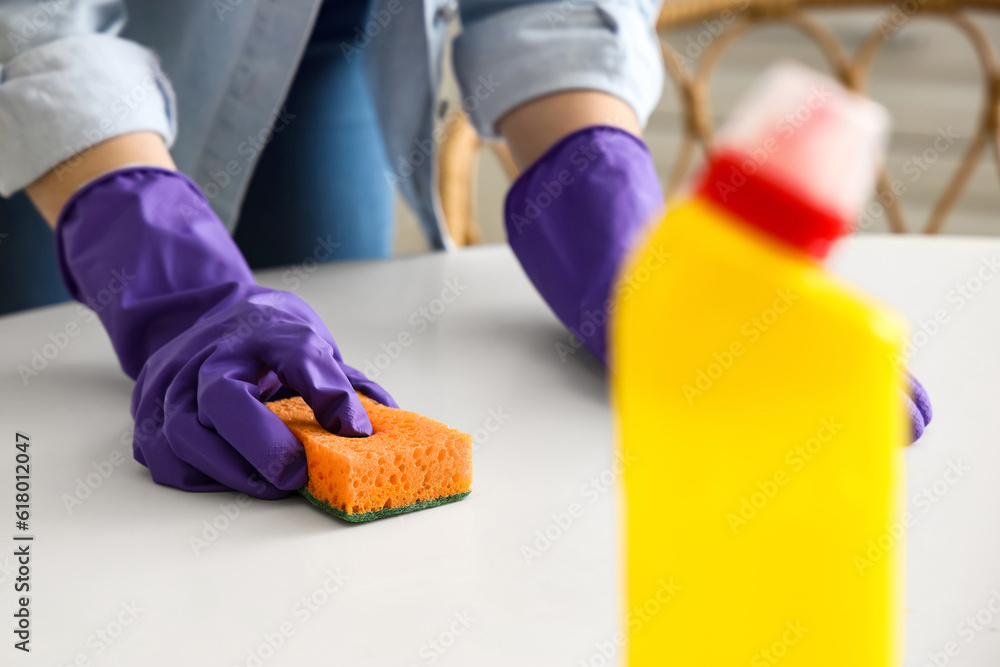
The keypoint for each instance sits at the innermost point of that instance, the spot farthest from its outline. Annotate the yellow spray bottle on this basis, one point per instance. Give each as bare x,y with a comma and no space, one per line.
759,397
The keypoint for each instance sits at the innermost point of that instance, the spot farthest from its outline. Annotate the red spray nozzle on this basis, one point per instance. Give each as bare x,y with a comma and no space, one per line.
798,157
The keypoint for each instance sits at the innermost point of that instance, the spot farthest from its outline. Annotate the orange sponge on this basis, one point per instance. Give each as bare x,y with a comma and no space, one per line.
410,462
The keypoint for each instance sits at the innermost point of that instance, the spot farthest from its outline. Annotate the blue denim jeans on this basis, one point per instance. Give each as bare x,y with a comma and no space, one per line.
319,191
29,272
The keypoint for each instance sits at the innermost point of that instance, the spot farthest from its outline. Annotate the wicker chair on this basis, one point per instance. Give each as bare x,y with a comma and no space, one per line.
460,148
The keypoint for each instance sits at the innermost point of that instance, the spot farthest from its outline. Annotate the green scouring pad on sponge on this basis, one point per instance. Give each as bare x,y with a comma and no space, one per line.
409,463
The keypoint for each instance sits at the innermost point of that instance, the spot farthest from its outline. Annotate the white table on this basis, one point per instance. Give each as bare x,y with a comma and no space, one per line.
457,575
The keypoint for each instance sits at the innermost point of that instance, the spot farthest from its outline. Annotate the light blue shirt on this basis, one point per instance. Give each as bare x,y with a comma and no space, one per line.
210,77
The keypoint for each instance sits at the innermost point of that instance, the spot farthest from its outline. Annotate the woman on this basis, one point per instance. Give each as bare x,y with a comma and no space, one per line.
87,116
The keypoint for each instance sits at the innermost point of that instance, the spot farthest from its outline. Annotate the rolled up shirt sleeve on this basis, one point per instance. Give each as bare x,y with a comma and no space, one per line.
67,82
511,52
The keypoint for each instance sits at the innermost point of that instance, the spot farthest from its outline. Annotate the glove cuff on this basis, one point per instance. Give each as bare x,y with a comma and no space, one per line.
572,217
142,247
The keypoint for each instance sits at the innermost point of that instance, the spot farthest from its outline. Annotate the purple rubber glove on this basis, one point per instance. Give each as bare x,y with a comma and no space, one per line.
919,407
575,213
205,343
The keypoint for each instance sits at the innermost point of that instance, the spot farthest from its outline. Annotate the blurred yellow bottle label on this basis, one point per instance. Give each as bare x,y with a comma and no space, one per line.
759,397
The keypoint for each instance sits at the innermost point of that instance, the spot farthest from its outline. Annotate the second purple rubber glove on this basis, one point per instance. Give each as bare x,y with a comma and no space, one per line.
572,217
575,213
206,344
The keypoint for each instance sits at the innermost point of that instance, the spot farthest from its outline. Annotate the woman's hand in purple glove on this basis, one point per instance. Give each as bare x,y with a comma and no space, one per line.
918,406
206,344
575,213
207,388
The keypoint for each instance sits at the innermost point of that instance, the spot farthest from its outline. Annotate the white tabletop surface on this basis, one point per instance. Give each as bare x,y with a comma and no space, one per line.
453,585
